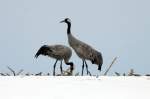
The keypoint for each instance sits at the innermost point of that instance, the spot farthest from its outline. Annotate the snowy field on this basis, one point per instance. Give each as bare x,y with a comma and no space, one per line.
76,87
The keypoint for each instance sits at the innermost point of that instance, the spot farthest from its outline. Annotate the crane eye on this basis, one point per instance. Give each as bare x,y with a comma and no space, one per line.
68,19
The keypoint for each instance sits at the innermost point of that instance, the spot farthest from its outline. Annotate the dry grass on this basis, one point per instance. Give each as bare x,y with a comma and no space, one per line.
67,72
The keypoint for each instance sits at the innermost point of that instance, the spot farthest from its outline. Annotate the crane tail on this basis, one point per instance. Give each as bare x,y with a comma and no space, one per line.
99,67
101,62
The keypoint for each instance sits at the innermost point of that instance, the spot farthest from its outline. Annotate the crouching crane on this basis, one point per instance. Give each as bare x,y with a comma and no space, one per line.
58,52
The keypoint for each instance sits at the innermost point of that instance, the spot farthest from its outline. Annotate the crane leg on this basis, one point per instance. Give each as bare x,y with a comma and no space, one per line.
61,67
54,68
86,68
82,67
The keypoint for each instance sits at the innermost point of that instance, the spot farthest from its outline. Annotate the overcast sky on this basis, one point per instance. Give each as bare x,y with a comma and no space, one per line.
113,27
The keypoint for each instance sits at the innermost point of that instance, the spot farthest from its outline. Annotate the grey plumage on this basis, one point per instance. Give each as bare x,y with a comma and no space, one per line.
83,50
58,52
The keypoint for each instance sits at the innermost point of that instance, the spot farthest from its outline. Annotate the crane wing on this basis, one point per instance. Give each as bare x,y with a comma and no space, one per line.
58,50
84,51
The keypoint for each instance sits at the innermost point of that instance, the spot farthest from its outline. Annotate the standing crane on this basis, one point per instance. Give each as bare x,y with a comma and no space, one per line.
58,52
83,50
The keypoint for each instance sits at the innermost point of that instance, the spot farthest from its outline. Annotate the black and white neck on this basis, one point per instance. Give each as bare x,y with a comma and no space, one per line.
69,27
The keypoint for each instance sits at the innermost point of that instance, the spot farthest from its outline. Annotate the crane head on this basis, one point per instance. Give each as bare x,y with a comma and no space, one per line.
71,66
66,20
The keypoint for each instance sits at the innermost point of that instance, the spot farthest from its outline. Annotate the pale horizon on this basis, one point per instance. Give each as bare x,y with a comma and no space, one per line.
116,28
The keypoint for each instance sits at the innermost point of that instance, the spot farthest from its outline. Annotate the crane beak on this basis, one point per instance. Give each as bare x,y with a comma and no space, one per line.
62,21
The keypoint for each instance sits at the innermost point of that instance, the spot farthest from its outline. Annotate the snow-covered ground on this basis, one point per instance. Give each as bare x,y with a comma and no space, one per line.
76,87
